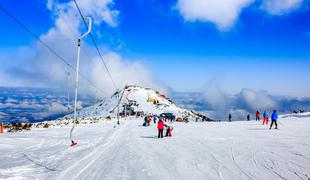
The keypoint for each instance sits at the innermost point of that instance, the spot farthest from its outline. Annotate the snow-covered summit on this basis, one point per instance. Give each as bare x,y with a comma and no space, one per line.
136,99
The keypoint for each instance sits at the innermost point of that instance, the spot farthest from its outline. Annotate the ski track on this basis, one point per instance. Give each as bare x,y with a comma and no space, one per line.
235,162
302,173
254,162
133,152
270,168
40,164
91,158
219,163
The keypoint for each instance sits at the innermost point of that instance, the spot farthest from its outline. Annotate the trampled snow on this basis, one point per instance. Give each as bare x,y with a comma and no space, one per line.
209,150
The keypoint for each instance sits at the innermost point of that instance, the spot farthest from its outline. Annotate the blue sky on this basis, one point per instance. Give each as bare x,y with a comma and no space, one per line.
259,49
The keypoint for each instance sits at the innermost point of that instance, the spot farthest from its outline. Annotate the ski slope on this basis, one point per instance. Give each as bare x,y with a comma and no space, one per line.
209,150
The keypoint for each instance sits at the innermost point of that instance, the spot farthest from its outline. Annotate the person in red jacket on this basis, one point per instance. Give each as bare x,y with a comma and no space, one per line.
257,116
160,127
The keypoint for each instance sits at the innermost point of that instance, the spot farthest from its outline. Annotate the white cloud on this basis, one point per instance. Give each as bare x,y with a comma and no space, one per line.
29,104
124,73
215,95
223,13
256,100
49,4
220,104
57,108
79,105
54,108
279,7
6,105
24,119
238,114
2,115
100,10
35,66
43,69
11,100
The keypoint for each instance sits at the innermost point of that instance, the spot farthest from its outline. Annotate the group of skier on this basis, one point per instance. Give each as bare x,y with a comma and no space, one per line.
274,118
161,126
150,118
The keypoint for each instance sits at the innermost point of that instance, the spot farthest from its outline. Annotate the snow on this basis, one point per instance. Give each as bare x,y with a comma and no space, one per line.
136,94
209,150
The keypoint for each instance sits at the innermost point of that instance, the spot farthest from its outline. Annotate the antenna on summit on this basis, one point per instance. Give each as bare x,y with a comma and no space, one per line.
77,76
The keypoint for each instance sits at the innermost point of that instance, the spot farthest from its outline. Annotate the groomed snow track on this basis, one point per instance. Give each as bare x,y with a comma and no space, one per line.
216,150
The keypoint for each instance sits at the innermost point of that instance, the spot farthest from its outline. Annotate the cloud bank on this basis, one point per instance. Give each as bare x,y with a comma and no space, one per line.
43,69
125,73
215,96
219,104
256,100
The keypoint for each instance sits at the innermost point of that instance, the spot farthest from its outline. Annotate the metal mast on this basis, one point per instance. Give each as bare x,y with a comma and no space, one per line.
77,75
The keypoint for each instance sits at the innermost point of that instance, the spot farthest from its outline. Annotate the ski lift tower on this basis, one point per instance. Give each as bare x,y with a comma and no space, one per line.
119,102
125,108
77,76
68,86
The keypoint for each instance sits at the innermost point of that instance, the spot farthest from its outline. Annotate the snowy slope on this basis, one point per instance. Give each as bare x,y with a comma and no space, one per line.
298,115
210,150
140,96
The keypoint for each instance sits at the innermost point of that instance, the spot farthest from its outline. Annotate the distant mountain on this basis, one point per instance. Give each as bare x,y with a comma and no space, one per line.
137,99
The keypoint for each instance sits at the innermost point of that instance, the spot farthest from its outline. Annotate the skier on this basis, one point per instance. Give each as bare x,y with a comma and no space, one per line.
257,116
274,118
145,121
149,120
229,117
265,118
160,127
169,130
248,117
154,119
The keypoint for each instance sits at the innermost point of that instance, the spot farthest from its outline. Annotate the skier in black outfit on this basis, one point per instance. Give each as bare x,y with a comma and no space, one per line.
160,126
145,121
229,117
274,118
248,117
168,130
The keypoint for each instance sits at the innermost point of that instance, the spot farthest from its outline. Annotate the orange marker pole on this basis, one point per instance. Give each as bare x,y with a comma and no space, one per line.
1,128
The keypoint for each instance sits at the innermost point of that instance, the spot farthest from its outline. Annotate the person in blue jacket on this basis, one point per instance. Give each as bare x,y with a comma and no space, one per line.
265,121
154,119
274,118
